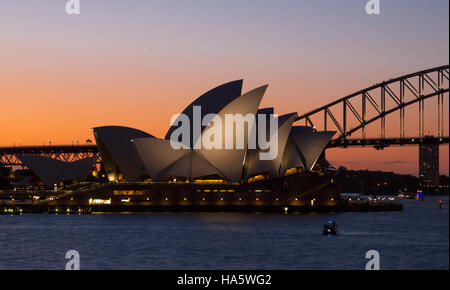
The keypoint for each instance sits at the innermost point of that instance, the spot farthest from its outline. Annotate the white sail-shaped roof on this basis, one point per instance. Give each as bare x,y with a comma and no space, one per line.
190,165
255,165
230,162
52,171
81,168
47,169
157,154
291,157
162,160
132,152
311,145
118,153
304,147
211,102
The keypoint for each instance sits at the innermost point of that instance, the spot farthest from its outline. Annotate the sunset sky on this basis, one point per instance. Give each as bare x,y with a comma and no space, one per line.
136,63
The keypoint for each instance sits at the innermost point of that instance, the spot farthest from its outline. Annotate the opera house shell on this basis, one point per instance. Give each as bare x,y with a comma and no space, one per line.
52,171
130,155
148,173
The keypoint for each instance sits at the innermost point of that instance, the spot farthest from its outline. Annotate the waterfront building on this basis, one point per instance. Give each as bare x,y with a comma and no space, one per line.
145,172
429,164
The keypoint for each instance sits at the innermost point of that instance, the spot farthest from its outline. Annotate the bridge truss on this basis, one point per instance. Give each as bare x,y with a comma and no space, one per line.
69,153
375,103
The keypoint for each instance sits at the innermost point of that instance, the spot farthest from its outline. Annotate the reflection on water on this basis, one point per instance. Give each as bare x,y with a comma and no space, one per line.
417,238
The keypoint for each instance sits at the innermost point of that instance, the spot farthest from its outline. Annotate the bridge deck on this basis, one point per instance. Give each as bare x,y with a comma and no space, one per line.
386,142
75,152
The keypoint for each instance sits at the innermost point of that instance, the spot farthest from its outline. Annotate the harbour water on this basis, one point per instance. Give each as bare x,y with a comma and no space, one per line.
415,238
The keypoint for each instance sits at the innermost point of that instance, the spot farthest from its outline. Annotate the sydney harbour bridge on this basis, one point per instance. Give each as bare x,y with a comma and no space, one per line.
417,100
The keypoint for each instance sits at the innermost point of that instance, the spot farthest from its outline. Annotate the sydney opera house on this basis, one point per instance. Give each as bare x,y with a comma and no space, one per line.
146,171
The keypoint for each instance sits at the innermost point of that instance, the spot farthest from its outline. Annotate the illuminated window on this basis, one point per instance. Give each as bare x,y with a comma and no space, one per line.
99,201
129,192
209,181
258,177
291,171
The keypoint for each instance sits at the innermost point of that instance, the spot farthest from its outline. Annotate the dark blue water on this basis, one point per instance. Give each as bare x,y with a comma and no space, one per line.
417,238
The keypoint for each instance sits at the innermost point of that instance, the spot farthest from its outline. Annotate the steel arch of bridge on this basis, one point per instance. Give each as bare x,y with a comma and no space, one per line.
411,90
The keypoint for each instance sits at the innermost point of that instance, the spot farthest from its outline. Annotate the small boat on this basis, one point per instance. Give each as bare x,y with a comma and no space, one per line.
330,228
420,196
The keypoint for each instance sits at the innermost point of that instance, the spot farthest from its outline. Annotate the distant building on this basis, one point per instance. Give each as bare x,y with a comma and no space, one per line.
429,164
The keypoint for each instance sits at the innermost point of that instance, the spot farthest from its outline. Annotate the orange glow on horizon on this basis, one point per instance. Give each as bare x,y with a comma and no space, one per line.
142,62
